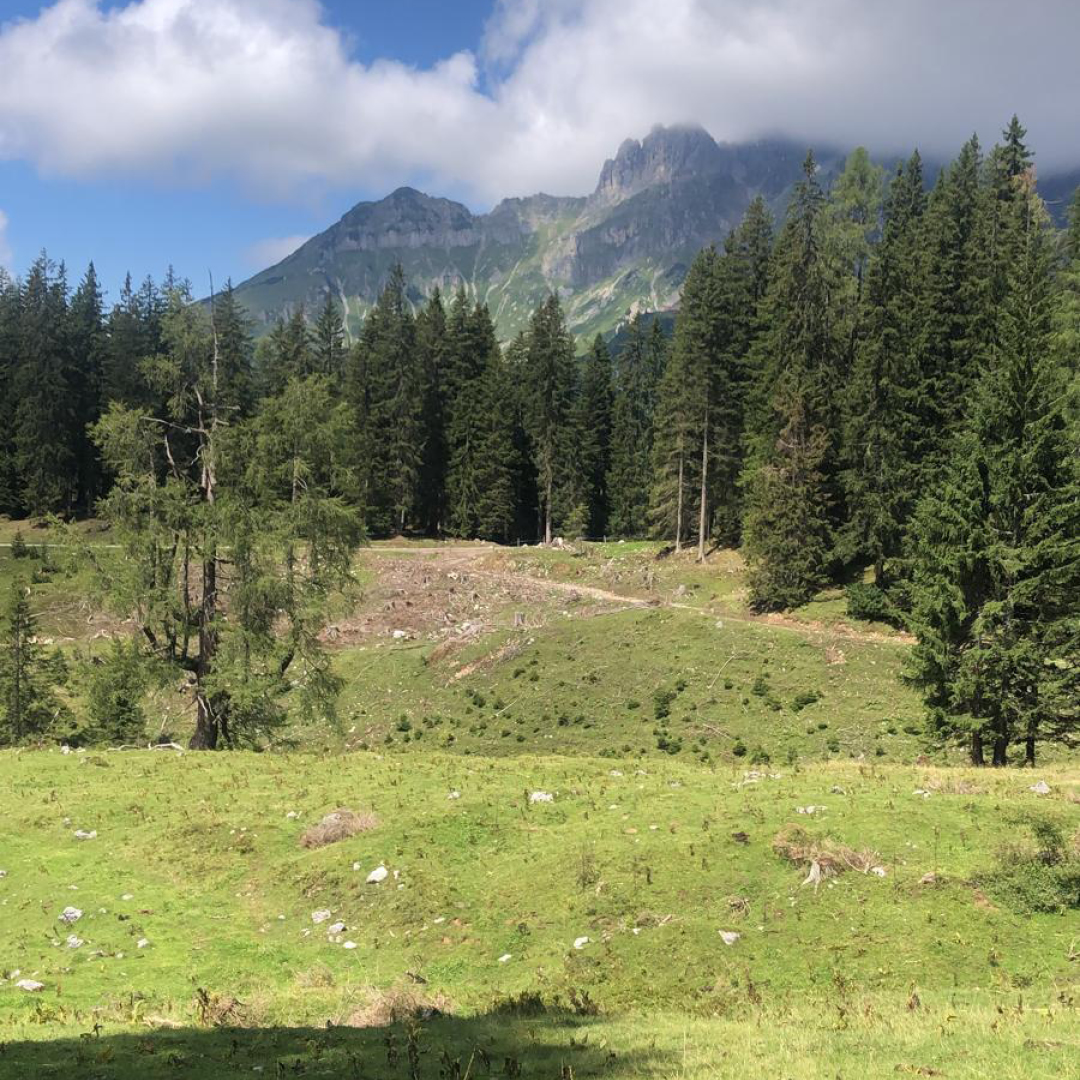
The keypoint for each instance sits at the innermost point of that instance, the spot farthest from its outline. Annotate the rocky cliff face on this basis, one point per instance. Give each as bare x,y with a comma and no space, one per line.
625,247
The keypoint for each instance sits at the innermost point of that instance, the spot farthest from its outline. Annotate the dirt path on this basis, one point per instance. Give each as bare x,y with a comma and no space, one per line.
468,557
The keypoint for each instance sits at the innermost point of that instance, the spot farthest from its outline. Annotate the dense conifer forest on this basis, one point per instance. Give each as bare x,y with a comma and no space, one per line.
878,391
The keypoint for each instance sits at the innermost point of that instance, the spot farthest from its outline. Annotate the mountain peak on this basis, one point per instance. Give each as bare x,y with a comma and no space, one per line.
665,155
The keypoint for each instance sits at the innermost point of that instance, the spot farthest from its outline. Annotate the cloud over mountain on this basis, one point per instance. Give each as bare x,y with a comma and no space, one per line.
267,93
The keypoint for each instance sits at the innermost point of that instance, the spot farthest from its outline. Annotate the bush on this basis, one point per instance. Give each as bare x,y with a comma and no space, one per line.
662,700
801,701
114,697
1039,874
868,603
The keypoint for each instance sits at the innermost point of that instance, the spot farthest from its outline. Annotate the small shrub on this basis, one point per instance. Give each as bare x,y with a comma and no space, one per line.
802,700
760,756
662,700
739,749
868,603
114,697
1039,874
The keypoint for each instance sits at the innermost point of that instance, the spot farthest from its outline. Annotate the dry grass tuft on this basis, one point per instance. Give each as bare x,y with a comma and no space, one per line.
339,825
820,856
386,1007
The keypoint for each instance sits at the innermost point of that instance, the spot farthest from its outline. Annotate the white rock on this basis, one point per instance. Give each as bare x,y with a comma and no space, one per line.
320,916
729,937
142,943
454,795
74,942
292,815
65,749
504,958
82,834
581,942
1041,788
336,928
349,945
380,873
635,930
541,796
877,871
3,873
281,918
30,985
356,866
921,791
614,772
399,634
127,896
809,809
70,915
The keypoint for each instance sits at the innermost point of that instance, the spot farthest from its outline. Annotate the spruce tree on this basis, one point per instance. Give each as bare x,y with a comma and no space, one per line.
791,474
395,410
997,543
592,427
88,347
638,369
550,395
432,346
9,359
46,409
496,512
327,342
882,435
29,675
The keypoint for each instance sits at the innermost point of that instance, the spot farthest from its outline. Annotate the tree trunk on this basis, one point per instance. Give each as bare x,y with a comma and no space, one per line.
1029,751
547,513
977,750
206,721
678,508
703,517
1001,746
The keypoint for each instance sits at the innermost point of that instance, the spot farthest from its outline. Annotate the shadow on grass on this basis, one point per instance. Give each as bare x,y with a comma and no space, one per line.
556,1046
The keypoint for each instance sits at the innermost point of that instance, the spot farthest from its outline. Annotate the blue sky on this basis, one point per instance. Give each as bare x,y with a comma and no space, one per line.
218,134
132,224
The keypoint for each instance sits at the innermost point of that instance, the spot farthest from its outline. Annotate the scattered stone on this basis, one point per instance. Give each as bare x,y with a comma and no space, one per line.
614,772
504,958
292,815
729,937
3,873
1041,788
82,834
74,942
581,942
320,916
356,866
142,943
349,945
921,791
454,795
336,928
399,634
877,871
65,749
380,873
541,796
127,896
928,879
30,985
836,789
809,809
70,915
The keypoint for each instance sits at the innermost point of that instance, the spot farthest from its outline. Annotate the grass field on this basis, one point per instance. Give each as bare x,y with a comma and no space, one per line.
679,737
198,857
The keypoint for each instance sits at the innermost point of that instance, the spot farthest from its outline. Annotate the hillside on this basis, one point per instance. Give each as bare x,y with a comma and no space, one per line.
625,247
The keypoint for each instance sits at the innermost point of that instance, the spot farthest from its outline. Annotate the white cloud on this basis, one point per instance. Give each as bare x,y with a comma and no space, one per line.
6,255
272,250
265,92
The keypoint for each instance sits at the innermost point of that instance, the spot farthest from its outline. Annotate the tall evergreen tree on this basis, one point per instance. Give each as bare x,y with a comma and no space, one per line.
638,369
395,409
9,362
432,348
882,433
997,543
549,402
592,432
328,340
46,410
791,479
88,347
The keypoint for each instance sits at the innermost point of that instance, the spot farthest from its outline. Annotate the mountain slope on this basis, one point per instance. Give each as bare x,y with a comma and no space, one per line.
625,247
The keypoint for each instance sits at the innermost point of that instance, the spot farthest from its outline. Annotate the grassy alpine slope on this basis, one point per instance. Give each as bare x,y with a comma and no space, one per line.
689,735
